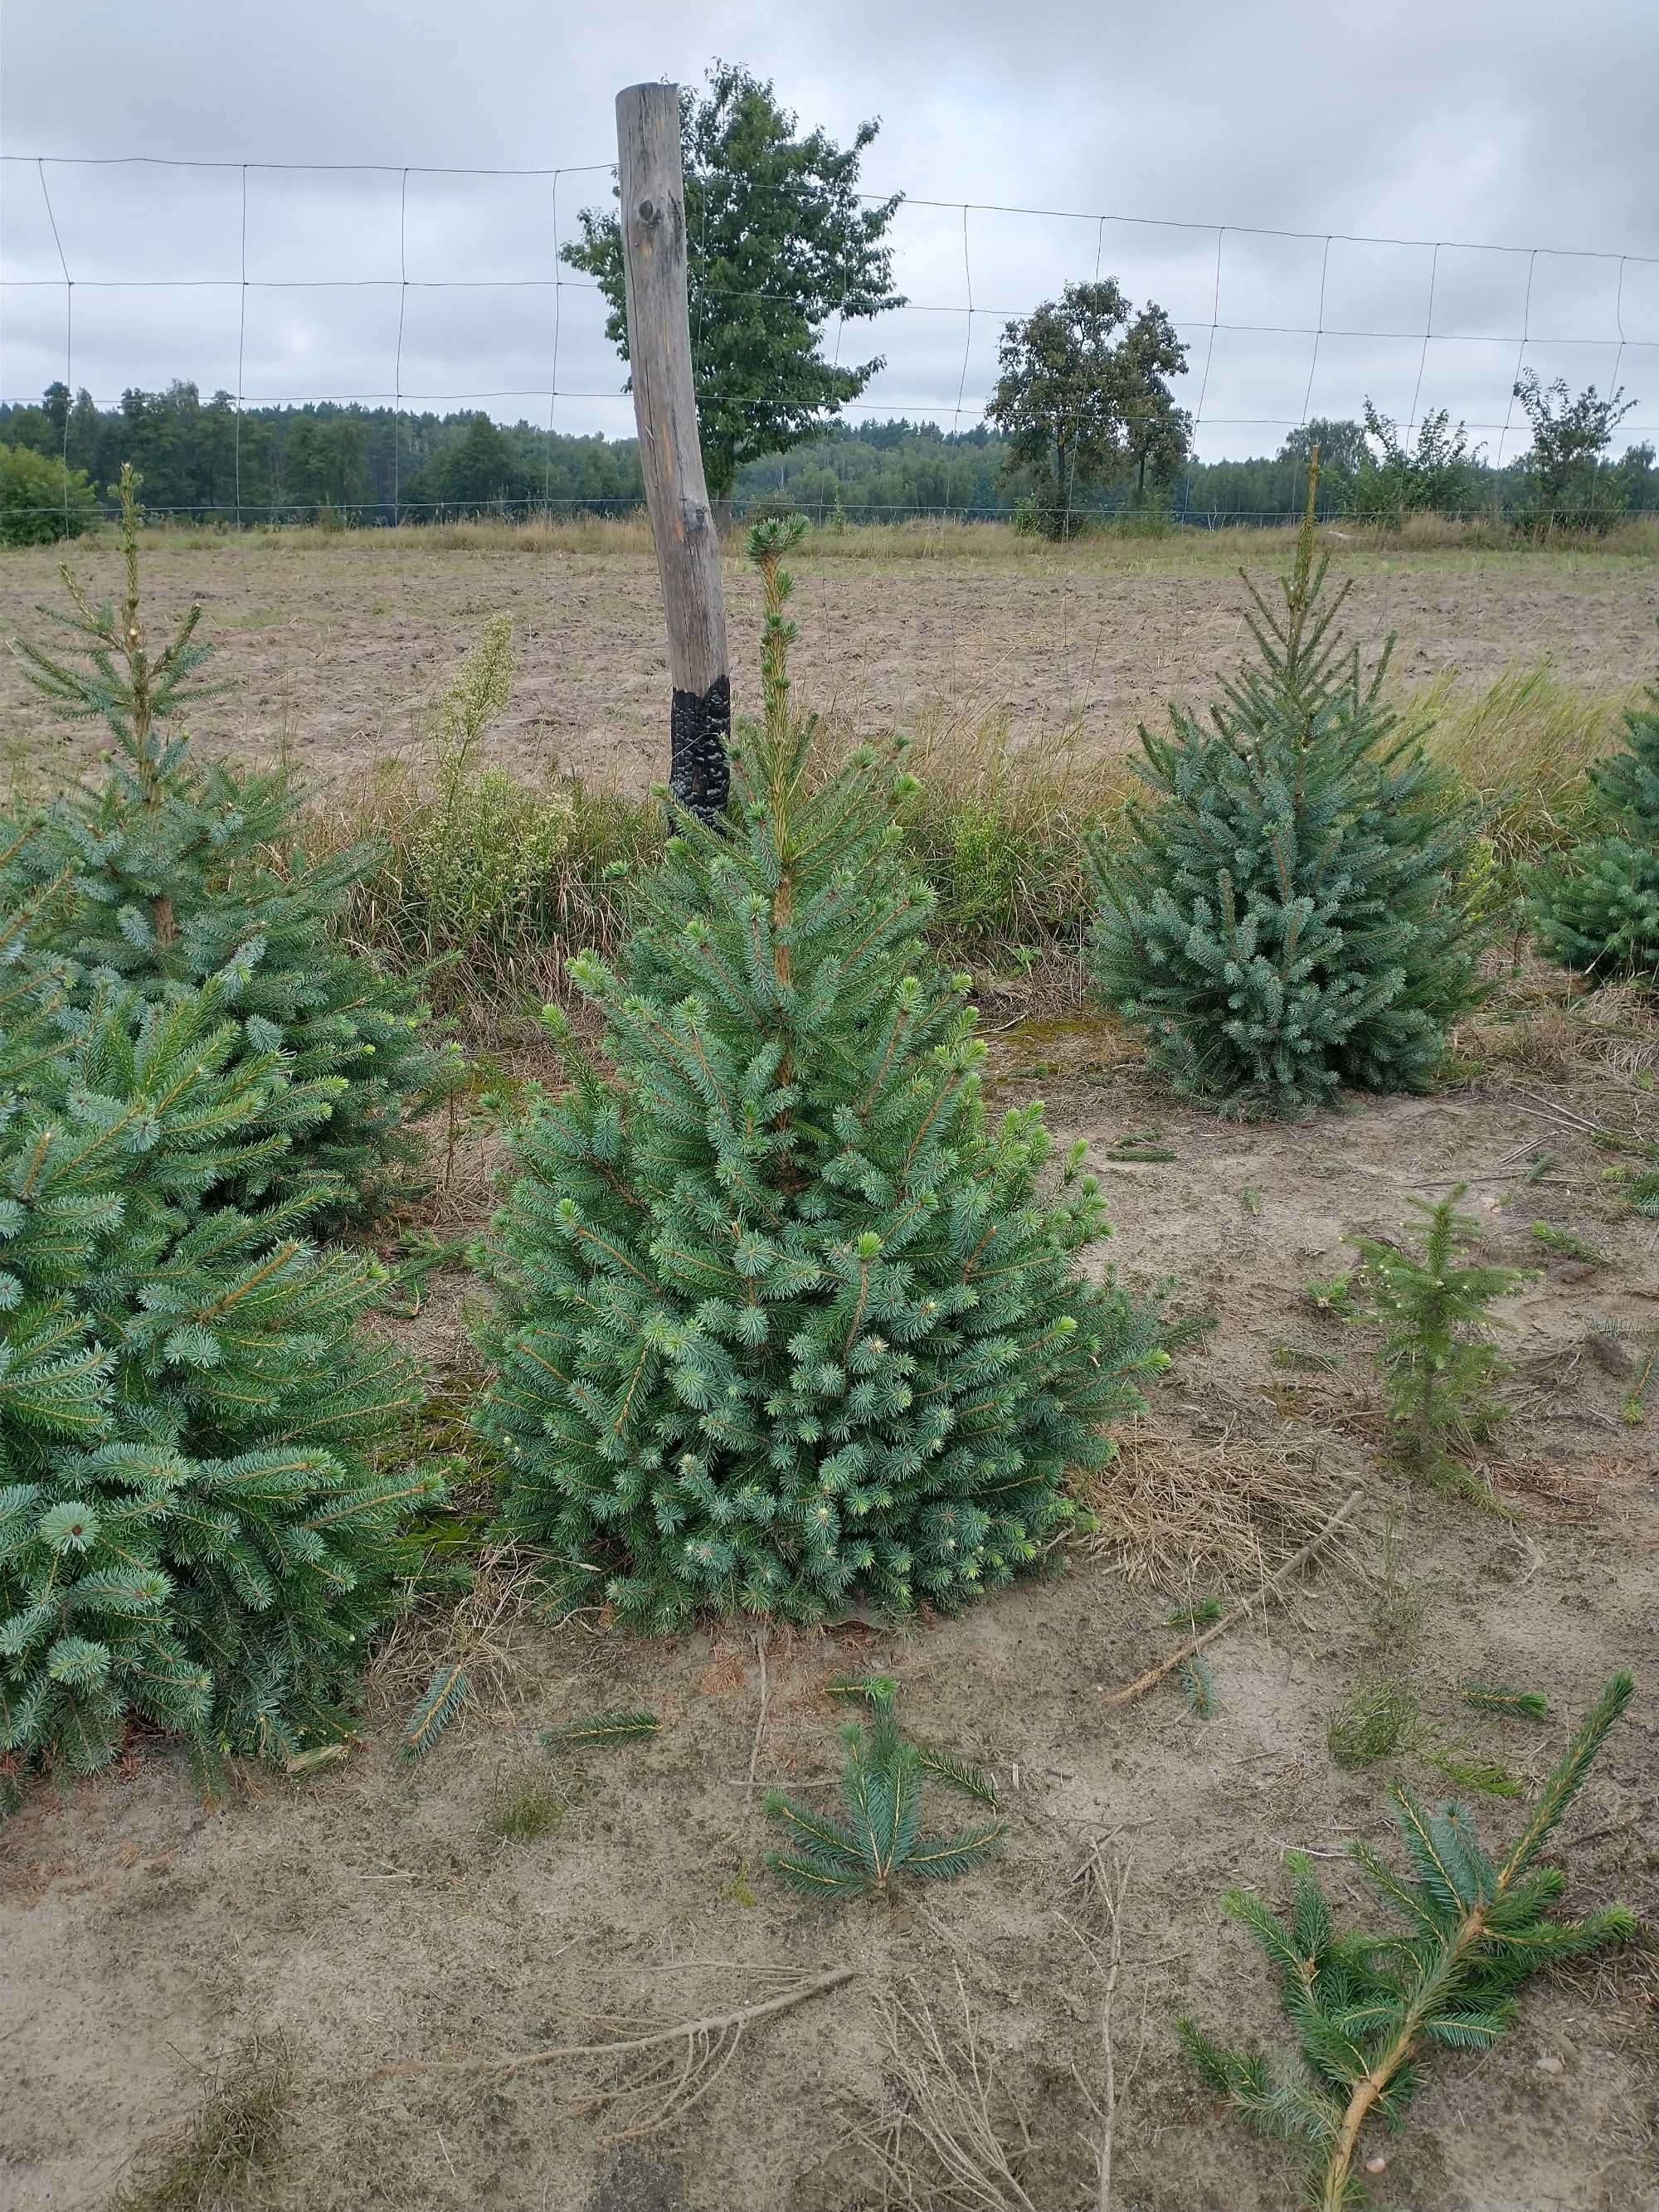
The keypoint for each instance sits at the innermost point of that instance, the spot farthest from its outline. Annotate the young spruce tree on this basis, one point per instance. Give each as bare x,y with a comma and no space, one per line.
784,1323
1596,906
193,1529
163,875
1292,916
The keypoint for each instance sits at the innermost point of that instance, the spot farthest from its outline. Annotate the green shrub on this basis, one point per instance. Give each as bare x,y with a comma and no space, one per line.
782,1321
163,875
193,1531
1297,912
1596,906
40,502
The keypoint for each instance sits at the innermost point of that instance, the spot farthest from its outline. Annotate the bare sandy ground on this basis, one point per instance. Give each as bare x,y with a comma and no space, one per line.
331,650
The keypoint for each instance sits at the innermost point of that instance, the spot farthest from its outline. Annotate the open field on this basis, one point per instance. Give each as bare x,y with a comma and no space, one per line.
264,2007
332,644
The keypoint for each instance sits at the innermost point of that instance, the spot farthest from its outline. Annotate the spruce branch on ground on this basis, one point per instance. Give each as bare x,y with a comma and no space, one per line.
1369,2010
880,1842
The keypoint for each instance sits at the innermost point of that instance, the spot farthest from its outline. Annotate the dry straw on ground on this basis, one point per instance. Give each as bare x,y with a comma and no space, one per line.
1188,1518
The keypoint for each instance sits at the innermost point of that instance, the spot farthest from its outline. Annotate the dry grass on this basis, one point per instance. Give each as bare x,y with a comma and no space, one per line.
936,538
1522,746
1192,1518
220,2159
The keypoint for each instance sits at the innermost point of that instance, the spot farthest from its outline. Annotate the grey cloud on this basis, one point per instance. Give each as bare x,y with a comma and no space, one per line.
1526,125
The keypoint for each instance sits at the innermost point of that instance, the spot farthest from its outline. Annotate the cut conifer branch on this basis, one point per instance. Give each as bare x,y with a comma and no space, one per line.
1366,2008
1273,1588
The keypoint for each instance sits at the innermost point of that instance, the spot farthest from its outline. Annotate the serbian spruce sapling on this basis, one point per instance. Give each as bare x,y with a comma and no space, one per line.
1299,907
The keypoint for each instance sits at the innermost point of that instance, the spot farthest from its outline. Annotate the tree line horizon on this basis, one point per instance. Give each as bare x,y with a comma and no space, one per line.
1082,424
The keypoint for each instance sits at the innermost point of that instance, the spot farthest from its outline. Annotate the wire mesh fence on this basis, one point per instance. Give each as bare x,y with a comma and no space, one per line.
292,285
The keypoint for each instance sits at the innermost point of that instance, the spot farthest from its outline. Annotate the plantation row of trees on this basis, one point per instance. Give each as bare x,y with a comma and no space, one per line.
300,463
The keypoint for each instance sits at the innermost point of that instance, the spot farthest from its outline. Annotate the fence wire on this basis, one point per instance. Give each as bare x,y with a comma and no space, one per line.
1237,273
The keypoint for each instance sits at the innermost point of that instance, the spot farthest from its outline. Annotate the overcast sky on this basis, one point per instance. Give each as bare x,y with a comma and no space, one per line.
1514,125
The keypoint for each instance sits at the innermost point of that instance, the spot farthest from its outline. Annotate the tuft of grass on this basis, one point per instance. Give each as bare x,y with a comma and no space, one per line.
1379,1718
523,1808
1521,746
229,2144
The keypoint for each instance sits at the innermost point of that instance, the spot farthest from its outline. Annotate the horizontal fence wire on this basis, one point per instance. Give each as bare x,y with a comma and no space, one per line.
1200,333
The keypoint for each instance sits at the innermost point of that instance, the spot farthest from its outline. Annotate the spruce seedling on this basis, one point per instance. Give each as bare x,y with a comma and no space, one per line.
1368,2008
1438,1358
880,1842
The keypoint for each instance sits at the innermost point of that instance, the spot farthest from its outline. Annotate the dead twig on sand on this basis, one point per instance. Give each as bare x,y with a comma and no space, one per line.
1273,1587
760,1717
947,2090
674,2081
1109,1888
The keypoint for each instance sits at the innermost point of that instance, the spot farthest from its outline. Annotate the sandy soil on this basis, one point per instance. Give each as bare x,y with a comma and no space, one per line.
335,647
371,1915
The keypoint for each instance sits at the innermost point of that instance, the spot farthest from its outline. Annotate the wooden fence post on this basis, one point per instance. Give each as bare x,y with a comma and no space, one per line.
653,219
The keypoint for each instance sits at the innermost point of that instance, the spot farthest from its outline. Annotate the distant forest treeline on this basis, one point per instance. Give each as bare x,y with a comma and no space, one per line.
375,465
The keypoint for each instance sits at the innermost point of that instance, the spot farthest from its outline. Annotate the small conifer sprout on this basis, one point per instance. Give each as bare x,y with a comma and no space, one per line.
162,875
195,1530
880,1840
1368,2008
783,1322
1595,906
1438,1358
1299,910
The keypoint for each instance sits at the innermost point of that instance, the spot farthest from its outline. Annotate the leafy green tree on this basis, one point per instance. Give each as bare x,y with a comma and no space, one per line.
1083,394
475,472
195,1531
1569,484
1294,914
1394,478
161,875
39,502
1596,905
778,240
783,1322
1341,443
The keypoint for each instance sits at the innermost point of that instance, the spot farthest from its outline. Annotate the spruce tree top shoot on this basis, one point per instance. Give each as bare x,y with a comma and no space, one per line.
783,1320
1293,915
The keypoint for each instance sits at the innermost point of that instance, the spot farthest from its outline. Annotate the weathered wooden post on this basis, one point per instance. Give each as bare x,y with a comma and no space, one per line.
653,217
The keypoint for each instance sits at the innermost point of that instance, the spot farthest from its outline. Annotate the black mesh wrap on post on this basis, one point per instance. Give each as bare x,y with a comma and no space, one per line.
700,774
